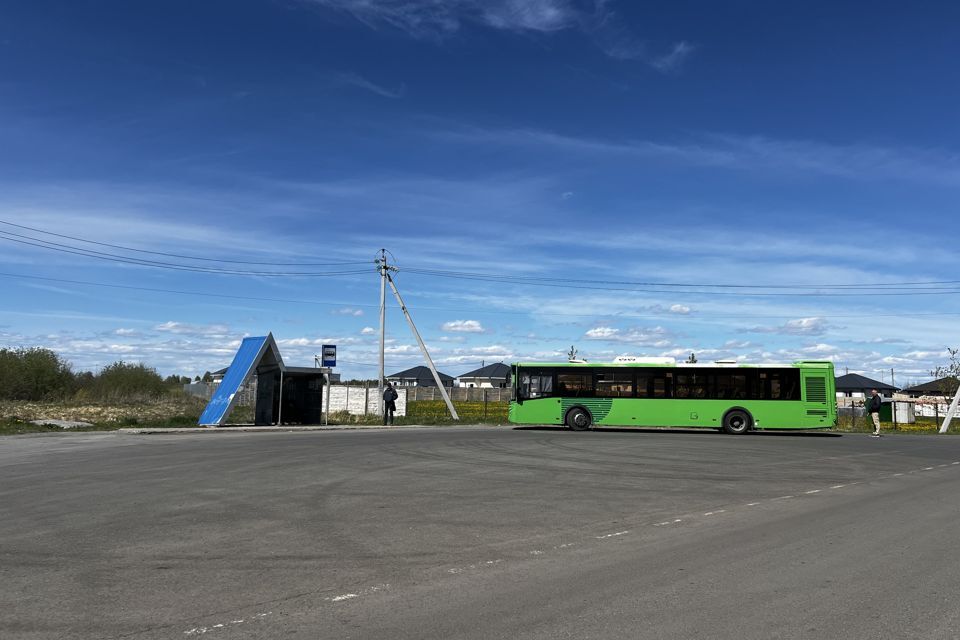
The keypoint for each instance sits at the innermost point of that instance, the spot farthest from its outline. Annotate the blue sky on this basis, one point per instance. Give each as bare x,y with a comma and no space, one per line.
636,154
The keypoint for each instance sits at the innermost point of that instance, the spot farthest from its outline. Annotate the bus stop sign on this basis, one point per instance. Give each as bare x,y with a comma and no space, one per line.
329,357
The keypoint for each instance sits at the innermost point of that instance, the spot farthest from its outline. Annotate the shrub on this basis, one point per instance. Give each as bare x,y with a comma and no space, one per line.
34,374
125,382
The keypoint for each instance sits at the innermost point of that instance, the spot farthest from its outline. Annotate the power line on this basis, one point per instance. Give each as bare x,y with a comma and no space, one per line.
186,257
809,290
90,253
711,316
518,278
642,287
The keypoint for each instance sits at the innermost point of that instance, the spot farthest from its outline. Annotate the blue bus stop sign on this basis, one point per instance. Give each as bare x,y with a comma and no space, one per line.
329,357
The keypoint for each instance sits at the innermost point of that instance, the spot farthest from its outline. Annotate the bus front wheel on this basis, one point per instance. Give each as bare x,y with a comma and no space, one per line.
736,422
578,419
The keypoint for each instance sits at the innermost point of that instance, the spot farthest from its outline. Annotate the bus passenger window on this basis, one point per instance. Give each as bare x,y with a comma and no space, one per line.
643,389
660,388
576,385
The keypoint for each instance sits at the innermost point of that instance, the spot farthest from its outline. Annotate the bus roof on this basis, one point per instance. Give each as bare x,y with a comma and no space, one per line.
811,364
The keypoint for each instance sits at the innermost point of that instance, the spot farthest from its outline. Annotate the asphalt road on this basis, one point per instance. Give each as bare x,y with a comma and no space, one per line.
479,533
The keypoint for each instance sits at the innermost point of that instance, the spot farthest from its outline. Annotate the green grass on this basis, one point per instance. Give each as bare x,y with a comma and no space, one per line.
435,412
923,425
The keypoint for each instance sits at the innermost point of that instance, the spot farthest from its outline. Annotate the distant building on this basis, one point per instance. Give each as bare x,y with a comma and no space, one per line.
492,376
855,385
418,377
941,387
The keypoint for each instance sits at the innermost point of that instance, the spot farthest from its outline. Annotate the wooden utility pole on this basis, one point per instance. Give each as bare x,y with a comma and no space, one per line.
384,269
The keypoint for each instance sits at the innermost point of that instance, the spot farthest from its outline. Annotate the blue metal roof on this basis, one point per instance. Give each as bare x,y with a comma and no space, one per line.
249,355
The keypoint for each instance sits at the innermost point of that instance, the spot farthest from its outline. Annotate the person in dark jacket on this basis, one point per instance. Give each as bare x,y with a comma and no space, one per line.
389,403
873,408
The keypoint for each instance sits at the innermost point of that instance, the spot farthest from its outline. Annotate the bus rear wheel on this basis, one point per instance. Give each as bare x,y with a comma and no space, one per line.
578,419
736,422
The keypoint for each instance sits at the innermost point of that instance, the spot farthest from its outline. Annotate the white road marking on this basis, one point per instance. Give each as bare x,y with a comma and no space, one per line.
222,625
783,498
812,491
928,469
346,596
897,475
612,535
752,504
536,552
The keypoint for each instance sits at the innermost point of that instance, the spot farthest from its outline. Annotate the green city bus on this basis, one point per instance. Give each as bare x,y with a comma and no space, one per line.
658,392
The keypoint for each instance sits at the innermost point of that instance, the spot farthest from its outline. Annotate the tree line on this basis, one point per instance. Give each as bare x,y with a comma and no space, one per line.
38,374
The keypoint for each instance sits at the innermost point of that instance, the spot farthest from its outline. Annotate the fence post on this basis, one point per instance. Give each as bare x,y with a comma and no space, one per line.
484,405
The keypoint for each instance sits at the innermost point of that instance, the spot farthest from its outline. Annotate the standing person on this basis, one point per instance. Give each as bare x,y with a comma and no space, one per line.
389,403
873,408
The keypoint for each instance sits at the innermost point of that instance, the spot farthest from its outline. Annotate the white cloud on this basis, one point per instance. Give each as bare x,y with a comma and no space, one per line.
601,333
356,80
439,19
348,311
463,326
672,61
368,331
648,337
185,328
681,309
799,327
855,161
125,332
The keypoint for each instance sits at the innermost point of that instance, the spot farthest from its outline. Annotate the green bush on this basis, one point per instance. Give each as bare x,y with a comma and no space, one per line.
124,382
34,374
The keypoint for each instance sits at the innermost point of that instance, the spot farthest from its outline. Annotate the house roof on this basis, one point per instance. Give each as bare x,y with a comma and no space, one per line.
495,370
421,374
934,386
857,382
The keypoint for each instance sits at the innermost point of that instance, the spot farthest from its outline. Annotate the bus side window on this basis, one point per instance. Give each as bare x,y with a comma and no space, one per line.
643,389
546,385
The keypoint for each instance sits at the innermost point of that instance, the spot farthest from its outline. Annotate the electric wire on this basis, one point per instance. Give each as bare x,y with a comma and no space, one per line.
178,255
519,278
90,253
711,316
760,290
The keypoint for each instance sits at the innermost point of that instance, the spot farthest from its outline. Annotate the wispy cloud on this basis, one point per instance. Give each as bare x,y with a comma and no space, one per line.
672,61
799,327
356,80
640,336
187,329
859,161
439,19
348,311
617,41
